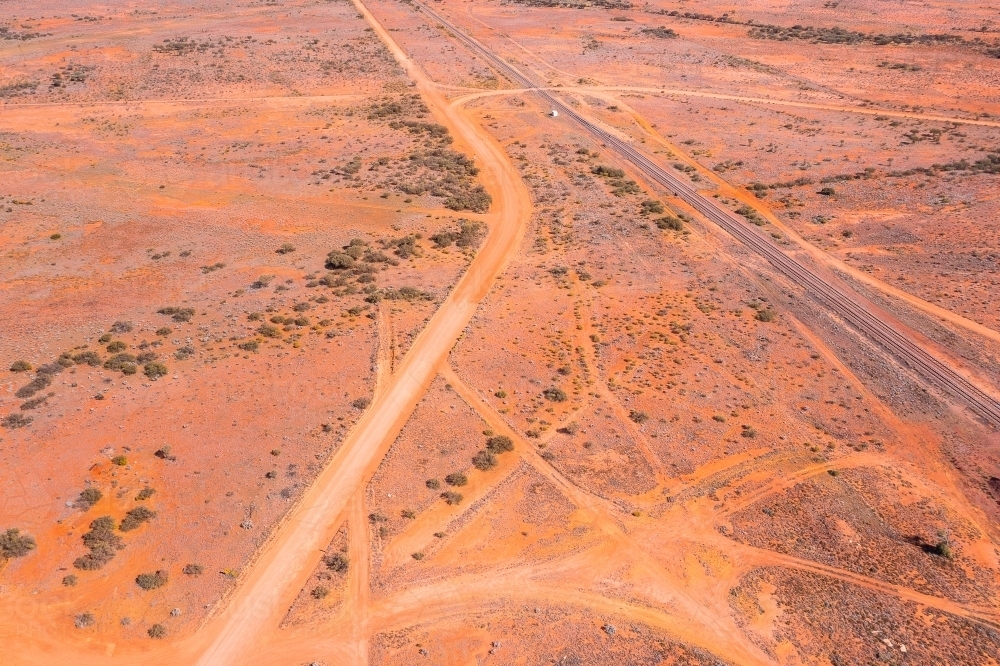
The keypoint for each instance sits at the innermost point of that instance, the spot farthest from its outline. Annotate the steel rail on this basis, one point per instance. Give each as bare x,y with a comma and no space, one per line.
850,307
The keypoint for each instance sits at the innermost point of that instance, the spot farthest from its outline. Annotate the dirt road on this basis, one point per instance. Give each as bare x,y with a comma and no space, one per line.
286,563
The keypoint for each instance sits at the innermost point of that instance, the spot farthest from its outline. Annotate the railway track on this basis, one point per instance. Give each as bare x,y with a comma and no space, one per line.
849,306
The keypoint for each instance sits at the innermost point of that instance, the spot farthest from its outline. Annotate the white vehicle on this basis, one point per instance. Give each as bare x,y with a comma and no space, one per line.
554,113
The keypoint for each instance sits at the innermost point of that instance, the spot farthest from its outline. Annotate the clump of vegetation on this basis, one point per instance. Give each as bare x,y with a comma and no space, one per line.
499,444
157,631
43,378
269,331
484,460
164,331
154,370
124,362
661,32
249,345
84,620
193,570
650,206
177,314
336,562
102,543
184,353
320,592
120,327
286,248
89,497
145,494
669,222
764,315
468,234
452,497
419,555
20,366
751,215
638,417
119,460
15,421
134,518
361,403
456,479
91,358
15,543
433,484
748,432
70,580
153,580
555,394
620,186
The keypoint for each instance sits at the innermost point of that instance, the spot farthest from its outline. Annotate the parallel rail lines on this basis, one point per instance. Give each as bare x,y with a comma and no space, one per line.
850,307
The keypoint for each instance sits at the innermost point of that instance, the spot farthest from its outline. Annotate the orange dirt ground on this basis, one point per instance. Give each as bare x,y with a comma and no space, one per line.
328,344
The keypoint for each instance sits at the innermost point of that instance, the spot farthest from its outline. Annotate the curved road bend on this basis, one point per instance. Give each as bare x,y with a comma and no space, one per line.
846,304
286,563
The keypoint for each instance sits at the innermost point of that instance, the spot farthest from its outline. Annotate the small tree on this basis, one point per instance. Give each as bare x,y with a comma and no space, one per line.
14,543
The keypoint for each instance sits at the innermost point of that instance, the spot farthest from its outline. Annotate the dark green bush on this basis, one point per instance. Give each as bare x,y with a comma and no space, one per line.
89,497
155,370
90,358
499,444
102,543
178,314
336,562
484,460
451,497
15,543
555,394
456,479
153,580
134,518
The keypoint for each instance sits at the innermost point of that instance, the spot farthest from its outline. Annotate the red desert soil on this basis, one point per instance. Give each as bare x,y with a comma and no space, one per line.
327,342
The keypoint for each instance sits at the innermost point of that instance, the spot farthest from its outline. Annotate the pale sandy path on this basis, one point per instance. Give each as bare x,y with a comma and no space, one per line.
285,564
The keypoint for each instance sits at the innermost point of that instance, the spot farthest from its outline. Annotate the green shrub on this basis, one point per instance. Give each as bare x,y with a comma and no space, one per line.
638,417
499,444
121,461
120,362
152,581
451,497
554,394
102,543
456,479
336,261
651,206
609,172
178,314
20,366
484,460
89,497
116,346
269,331
336,562
15,421
669,222
155,370
14,543
134,518
90,358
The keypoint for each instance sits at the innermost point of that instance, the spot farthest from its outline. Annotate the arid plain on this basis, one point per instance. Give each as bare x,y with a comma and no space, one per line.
326,342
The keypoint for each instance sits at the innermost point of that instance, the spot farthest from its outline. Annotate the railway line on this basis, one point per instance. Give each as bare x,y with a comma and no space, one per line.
849,306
